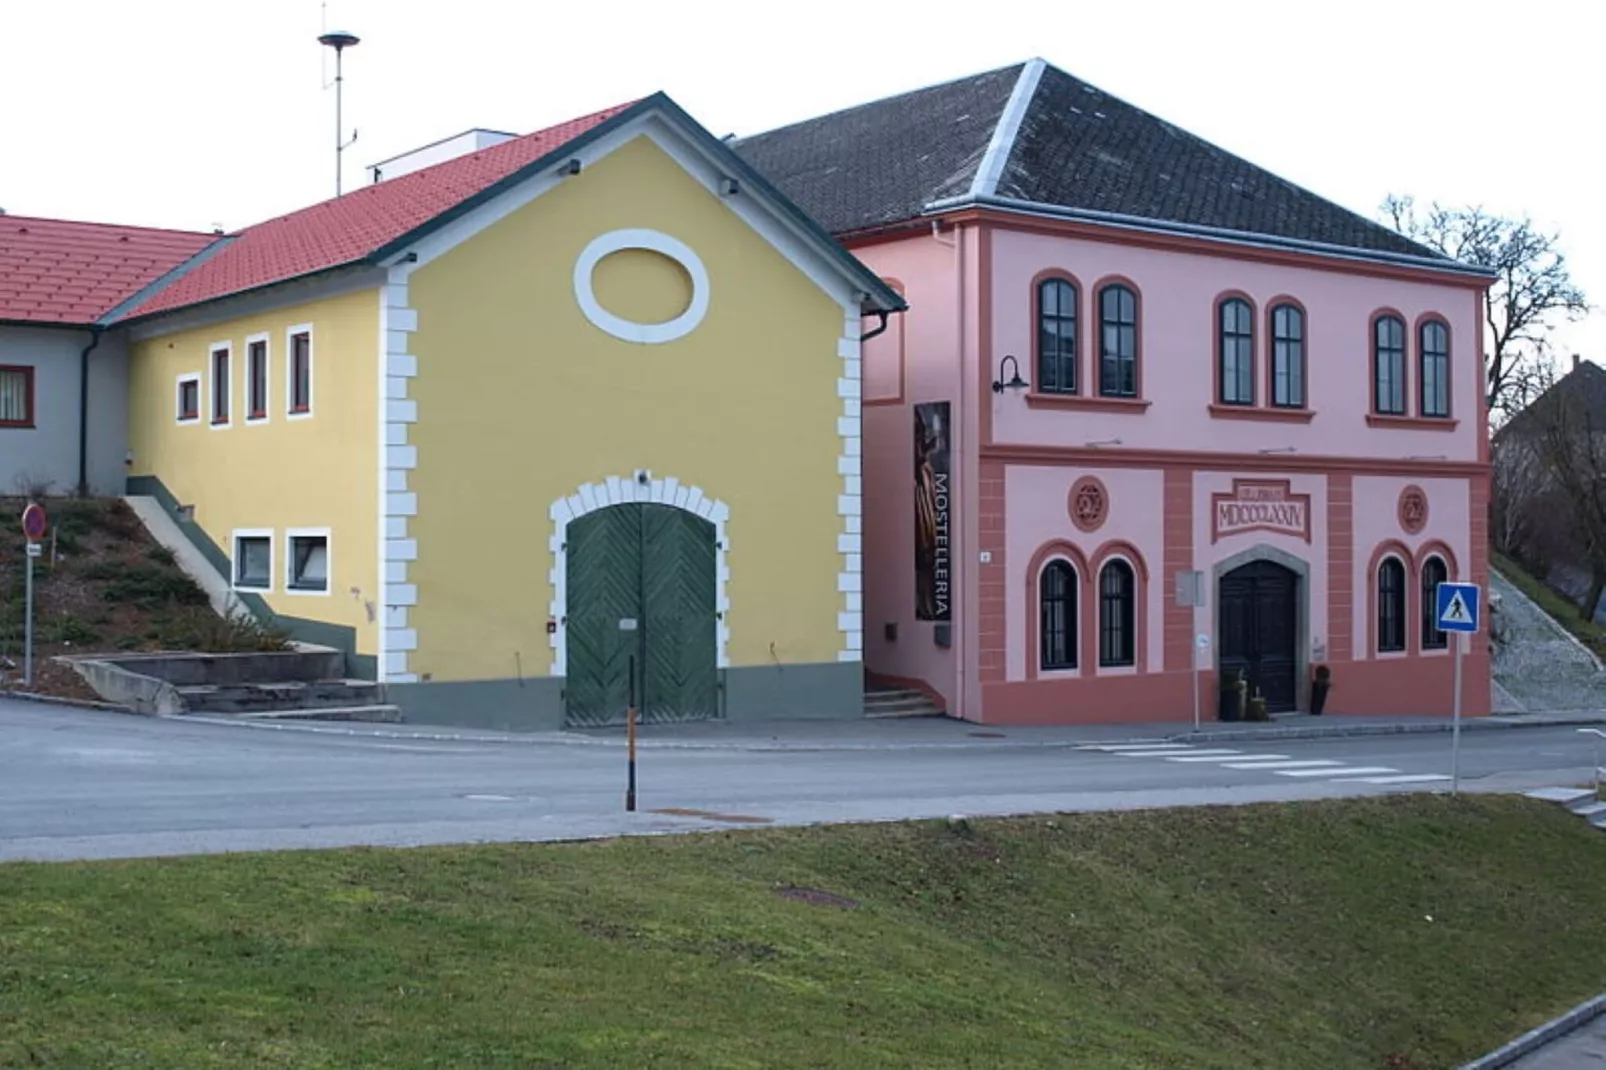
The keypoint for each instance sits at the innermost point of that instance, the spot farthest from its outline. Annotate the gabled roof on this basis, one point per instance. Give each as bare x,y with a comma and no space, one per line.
65,273
1032,137
346,229
1582,390
378,221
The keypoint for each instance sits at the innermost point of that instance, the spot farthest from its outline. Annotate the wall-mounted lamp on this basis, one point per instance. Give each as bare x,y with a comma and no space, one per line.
1281,449
729,187
1015,381
570,168
1102,442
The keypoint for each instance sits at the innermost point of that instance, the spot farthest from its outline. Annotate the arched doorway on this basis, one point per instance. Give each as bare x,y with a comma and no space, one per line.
653,565
1257,629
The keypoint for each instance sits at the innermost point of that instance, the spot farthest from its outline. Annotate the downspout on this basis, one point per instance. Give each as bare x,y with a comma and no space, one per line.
956,499
883,316
83,411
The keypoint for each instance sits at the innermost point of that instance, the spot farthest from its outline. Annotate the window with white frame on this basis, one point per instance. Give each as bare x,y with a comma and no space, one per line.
253,560
299,372
307,566
187,401
256,379
220,385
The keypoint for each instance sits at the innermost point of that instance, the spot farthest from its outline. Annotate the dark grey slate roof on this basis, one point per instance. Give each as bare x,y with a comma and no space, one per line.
1077,148
882,162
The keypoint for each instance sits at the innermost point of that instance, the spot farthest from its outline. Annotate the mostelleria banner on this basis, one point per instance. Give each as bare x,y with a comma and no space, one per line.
933,561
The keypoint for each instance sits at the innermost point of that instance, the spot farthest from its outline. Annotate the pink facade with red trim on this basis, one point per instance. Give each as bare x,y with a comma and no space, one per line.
1324,518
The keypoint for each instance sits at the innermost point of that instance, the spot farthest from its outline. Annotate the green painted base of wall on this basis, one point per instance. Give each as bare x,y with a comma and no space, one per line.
829,691
336,636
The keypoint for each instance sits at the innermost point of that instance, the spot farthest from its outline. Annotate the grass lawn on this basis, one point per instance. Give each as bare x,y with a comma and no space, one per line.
1563,609
1405,932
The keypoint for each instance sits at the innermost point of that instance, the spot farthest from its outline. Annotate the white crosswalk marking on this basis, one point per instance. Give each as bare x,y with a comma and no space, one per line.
1232,757
1280,765
1172,756
1227,758
1403,778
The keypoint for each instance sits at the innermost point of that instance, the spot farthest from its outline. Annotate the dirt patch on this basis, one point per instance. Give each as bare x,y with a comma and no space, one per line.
817,897
103,586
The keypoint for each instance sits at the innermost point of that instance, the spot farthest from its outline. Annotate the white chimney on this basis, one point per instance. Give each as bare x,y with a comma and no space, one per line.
437,152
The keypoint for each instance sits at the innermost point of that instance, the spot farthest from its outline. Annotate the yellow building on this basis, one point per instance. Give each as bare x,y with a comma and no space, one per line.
507,426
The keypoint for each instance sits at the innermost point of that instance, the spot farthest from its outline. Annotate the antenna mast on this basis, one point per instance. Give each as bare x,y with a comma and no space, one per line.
339,40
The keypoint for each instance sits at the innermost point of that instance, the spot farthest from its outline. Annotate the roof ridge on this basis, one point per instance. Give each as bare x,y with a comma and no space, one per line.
1002,144
880,100
1182,132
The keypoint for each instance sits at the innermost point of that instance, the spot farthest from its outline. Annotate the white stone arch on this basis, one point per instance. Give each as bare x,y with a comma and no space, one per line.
619,490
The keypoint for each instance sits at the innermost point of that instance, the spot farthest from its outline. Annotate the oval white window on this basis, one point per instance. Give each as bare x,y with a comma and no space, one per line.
654,242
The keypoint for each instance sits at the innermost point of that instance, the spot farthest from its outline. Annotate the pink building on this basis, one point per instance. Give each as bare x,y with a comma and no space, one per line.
1131,357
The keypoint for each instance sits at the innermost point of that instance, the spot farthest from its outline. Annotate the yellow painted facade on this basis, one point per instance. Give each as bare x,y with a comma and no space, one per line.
320,471
522,400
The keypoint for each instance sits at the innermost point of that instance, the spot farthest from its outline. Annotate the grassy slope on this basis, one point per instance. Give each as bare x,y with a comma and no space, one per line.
111,588
1563,609
1288,937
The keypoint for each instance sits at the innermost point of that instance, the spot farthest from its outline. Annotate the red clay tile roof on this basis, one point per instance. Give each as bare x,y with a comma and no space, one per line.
61,272
348,228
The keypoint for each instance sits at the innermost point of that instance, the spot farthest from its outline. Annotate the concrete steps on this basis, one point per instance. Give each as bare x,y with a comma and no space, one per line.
248,697
1581,801
899,702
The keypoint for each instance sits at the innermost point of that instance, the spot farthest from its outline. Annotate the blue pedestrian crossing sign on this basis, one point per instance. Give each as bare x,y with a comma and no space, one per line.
1458,607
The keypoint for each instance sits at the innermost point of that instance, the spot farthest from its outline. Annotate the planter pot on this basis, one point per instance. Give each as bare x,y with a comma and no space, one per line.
1318,696
1230,704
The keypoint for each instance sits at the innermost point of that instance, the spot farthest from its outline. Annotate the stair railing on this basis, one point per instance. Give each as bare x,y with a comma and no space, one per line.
1600,771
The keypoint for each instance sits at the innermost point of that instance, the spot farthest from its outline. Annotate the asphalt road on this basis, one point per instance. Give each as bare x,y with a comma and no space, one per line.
81,784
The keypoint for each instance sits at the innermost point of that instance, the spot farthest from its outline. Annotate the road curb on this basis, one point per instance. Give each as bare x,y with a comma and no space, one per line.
1263,733
1338,730
1535,1039
73,703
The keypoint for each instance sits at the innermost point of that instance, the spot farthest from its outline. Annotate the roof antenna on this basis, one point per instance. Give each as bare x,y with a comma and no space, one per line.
339,40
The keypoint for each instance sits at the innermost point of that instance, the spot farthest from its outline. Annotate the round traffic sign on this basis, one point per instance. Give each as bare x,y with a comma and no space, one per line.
34,522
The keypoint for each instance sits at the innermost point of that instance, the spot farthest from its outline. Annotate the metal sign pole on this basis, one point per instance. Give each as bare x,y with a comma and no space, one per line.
27,621
1455,731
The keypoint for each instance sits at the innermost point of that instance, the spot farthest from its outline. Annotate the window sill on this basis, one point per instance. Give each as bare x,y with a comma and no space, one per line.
247,589
18,425
1219,411
298,589
1411,423
220,423
1084,404
188,419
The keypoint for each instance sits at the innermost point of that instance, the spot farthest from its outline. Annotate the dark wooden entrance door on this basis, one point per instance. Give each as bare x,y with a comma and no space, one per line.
655,565
1257,630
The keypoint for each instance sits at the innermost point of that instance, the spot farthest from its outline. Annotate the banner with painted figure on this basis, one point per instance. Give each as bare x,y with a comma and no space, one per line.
933,560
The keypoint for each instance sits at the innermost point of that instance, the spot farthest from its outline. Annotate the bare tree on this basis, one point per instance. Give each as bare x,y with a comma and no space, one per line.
1532,293
1563,434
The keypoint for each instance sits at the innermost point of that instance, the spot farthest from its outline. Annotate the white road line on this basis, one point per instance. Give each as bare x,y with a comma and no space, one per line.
1403,778
1172,756
1118,747
1278,765
1156,753
1245,758
1355,771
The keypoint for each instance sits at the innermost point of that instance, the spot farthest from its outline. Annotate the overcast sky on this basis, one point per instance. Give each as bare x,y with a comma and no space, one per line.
194,113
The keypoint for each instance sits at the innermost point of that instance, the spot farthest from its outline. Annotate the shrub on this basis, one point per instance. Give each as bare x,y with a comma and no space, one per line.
161,555
146,585
69,630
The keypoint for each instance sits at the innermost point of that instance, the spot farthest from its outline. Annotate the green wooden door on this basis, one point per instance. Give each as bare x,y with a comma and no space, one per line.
678,616
653,564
